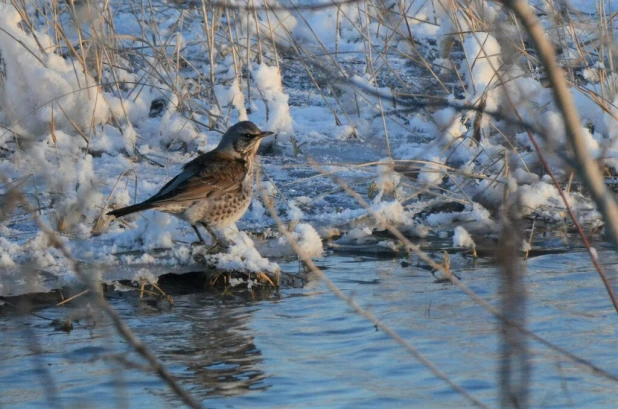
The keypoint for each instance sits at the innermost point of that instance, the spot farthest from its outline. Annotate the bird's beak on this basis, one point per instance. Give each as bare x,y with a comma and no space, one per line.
265,134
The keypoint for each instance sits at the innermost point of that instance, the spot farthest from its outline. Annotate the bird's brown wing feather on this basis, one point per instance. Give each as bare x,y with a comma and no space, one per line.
209,175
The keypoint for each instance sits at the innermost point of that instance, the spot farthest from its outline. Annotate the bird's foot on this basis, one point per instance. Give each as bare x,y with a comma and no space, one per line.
213,249
216,248
202,252
197,244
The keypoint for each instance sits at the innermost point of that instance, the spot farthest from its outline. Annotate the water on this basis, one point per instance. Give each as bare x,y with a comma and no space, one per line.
303,347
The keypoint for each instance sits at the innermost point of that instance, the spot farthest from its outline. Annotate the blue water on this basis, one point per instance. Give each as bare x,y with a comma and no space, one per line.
304,348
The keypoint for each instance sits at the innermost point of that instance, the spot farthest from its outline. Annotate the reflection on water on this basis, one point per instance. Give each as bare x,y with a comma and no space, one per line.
303,347
217,347
204,339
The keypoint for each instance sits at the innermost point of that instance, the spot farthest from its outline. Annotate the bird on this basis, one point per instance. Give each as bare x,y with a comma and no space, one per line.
214,189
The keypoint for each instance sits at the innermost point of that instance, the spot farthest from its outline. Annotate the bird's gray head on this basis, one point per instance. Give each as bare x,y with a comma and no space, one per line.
242,139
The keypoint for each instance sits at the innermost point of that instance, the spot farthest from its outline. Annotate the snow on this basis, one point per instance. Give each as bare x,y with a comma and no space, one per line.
390,212
462,238
233,96
308,240
34,82
610,120
242,256
593,253
482,61
144,276
388,180
305,236
270,86
431,173
78,145
475,217
359,233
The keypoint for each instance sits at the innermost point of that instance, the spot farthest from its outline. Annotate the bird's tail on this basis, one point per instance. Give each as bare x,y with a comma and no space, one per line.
123,211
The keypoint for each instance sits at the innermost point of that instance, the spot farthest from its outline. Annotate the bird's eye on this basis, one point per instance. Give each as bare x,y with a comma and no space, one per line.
247,135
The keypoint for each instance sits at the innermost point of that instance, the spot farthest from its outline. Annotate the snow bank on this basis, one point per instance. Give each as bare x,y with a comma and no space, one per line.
41,86
77,144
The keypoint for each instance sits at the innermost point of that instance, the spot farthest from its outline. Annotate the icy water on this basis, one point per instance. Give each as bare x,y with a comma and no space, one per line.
303,347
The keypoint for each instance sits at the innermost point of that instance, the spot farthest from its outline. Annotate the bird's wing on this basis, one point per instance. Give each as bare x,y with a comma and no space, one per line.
214,174
200,160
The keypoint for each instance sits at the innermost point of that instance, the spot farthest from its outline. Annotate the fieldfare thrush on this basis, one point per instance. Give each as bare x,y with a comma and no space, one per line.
214,189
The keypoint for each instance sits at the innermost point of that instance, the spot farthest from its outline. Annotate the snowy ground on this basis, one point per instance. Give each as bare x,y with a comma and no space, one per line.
77,149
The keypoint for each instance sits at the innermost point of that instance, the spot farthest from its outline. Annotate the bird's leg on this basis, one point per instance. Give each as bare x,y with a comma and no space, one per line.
214,237
198,234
